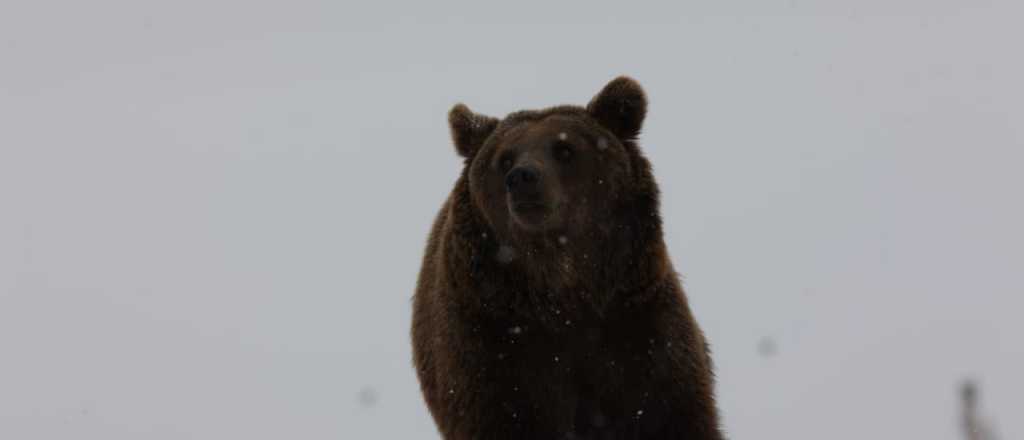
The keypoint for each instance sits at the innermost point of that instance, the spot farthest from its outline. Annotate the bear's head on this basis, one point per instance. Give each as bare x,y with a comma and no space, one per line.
560,174
556,208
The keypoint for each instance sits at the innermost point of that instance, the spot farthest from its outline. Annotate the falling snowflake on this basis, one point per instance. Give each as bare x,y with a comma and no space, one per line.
562,136
766,347
562,239
602,144
367,396
506,254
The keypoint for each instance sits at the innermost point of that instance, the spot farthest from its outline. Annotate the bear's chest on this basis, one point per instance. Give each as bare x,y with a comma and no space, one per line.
585,380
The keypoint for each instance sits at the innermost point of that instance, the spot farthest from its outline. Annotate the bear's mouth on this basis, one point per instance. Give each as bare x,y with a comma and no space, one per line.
527,206
528,212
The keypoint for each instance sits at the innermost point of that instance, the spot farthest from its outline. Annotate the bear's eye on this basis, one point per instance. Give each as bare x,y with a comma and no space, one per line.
506,163
563,151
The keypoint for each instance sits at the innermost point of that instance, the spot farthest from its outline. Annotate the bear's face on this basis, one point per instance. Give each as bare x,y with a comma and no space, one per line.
557,172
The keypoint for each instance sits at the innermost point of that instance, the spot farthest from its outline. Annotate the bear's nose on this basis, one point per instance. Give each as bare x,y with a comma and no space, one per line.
521,176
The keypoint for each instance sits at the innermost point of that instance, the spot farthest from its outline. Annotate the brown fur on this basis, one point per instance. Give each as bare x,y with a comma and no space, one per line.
570,323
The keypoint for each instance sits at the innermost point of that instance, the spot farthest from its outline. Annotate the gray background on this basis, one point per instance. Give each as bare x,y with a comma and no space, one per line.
213,212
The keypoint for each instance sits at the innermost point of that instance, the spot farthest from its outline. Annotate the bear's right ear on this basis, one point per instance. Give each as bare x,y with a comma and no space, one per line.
469,130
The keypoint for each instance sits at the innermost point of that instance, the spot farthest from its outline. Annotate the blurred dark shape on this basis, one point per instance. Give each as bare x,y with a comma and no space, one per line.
766,347
969,394
974,427
367,397
969,410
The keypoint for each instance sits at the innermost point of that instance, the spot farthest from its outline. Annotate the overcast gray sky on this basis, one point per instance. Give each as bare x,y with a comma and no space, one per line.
212,212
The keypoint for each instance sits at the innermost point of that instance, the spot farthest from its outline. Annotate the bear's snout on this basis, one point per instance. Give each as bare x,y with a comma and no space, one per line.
522,178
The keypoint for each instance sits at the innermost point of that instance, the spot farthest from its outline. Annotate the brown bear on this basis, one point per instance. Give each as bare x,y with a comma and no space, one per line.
547,306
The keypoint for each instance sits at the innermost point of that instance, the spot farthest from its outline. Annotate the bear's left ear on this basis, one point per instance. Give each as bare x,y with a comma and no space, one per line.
620,107
469,130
